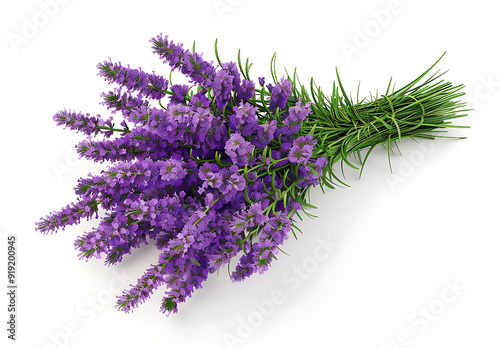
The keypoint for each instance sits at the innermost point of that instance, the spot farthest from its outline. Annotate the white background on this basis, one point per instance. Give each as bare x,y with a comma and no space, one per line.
399,240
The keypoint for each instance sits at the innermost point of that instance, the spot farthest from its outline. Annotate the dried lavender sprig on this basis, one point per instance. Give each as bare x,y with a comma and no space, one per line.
150,281
133,108
106,150
150,85
85,123
69,215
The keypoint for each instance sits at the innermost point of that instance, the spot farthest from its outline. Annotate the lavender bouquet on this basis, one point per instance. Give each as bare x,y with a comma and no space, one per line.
221,168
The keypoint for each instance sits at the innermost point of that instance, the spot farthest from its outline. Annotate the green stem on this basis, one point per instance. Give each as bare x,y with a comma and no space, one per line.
113,129
206,210
342,127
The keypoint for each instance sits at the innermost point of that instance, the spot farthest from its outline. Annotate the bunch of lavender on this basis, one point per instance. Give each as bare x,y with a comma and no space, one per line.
222,167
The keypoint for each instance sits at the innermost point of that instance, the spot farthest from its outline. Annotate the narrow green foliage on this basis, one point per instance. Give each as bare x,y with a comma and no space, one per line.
421,109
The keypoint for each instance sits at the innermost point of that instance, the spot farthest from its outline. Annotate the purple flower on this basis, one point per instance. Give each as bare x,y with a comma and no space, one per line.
172,169
200,100
200,123
124,102
204,177
84,123
184,276
302,149
156,88
238,149
197,69
70,215
247,90
299,154
311,173
297,113
280,94
235,182
273,233
232,182
244,119
276,229
170,52
150,85
232,69
249,218
207,169
106,150
209,173
245,267
150,281
265,133
180,93
305,140
222,86
190,64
